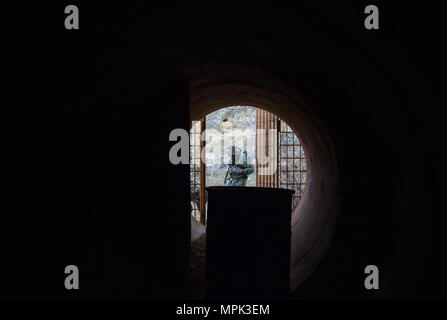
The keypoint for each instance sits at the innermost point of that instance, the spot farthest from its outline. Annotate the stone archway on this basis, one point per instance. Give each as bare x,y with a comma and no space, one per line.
313,220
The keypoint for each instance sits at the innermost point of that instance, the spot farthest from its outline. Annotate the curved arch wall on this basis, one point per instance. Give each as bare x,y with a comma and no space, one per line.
313,221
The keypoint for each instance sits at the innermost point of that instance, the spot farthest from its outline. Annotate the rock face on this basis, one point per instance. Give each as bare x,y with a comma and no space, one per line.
238,122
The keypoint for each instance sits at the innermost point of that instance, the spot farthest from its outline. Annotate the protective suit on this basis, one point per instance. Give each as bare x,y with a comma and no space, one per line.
237,174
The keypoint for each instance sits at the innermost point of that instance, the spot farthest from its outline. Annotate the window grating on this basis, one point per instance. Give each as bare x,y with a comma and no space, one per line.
194,166
293,165
267,149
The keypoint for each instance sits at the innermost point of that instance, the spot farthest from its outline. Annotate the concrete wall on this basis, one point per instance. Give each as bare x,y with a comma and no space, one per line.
374,99
314,219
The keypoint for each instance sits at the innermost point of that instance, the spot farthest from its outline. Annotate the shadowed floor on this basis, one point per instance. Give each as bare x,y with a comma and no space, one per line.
196,280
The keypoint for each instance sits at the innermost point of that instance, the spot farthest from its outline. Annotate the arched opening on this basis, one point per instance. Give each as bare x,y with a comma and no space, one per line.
313,220
240,146
231,146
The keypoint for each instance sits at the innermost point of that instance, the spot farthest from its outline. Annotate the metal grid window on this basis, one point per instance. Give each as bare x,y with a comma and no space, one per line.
293,165
194,166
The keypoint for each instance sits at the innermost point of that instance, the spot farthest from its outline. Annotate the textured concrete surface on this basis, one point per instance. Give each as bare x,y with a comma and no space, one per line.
313,221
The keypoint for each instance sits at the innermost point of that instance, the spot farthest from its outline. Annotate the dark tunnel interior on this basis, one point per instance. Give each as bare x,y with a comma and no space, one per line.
88,177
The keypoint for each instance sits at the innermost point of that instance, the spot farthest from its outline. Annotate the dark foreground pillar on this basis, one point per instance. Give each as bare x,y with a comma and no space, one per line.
248,242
